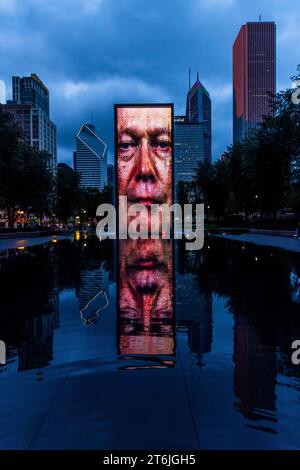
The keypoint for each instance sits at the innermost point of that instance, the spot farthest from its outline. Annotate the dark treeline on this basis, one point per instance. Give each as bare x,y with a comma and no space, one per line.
74,200
260,174
31,185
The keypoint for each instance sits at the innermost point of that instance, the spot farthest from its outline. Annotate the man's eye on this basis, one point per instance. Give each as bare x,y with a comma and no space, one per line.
126,145
161,145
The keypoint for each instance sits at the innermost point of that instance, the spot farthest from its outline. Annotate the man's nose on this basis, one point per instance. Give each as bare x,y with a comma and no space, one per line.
145,165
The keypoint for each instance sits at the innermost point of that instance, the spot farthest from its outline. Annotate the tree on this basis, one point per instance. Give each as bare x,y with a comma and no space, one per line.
183,190
69,192
37,182
211,181
10,164
91,198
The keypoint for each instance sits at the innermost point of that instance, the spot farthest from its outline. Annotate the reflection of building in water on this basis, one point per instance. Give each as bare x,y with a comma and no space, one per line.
37,351
255,372
4,255
91,297
193,307
146,297
194,315
114,263
29,301
295,286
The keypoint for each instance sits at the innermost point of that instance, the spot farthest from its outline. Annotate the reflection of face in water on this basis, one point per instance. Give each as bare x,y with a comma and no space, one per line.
146,297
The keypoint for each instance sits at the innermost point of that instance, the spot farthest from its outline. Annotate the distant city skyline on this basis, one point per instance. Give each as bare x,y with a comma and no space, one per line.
90,72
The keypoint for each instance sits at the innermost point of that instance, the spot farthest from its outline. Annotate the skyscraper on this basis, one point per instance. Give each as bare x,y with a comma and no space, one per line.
90,158
2,92
31,90
30,108
188,148
111,175
254,76
198,111
192,133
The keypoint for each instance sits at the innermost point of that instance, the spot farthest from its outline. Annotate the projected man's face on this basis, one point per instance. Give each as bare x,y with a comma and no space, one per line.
144,152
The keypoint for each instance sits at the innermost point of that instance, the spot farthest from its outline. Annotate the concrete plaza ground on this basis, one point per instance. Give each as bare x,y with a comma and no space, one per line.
19,243
286,243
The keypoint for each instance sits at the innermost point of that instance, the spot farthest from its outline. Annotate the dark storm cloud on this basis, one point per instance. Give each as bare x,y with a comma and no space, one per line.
93,53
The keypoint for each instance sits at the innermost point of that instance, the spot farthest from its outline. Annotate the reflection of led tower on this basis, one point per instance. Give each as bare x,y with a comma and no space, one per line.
146,308
90,158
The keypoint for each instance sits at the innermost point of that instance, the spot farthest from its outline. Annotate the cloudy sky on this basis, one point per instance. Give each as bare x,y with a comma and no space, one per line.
94,53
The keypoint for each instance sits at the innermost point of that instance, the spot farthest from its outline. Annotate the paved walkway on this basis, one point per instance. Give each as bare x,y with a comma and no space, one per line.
13,243
286,243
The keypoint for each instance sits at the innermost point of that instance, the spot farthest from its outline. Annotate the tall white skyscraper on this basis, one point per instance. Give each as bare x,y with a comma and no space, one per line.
2,92
90,158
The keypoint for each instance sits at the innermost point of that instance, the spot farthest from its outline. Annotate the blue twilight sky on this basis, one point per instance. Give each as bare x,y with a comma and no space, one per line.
94,53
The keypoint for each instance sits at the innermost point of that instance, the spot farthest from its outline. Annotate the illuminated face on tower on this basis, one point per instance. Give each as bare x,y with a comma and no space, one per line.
144,154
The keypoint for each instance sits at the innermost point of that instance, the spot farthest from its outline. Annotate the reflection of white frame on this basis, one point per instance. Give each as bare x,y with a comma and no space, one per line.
89,320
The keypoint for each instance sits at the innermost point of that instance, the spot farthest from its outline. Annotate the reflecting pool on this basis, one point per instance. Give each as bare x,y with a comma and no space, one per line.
140,344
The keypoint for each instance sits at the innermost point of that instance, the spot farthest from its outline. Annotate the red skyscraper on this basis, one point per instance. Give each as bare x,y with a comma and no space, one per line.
254,75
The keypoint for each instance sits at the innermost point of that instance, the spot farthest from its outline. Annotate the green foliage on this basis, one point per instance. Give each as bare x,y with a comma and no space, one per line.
68,193
91,198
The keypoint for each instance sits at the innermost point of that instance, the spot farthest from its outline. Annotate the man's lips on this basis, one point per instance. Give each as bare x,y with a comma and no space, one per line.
146,263
146,201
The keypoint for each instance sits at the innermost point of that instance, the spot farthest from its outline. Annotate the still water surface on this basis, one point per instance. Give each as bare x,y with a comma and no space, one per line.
142,344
